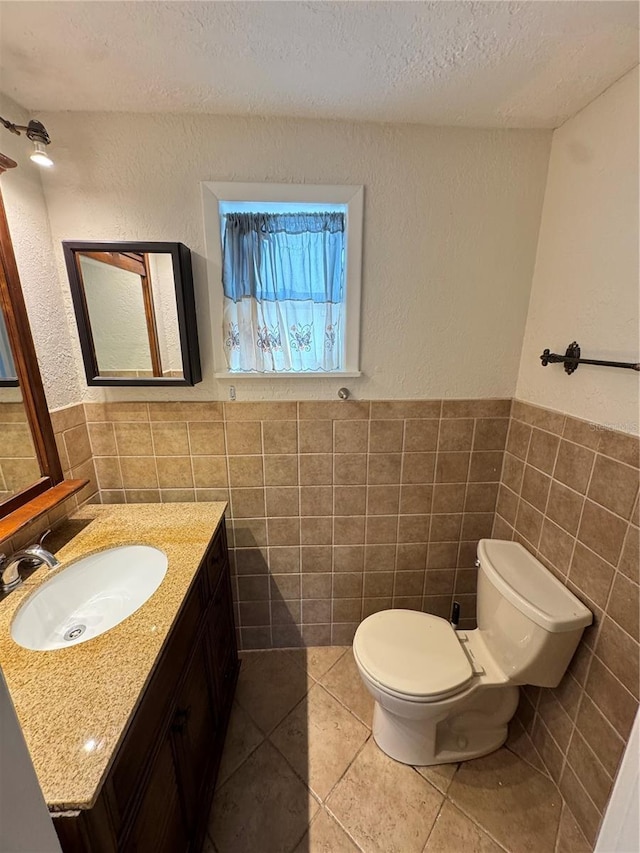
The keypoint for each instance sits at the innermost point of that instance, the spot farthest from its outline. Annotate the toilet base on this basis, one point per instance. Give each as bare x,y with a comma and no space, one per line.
421,742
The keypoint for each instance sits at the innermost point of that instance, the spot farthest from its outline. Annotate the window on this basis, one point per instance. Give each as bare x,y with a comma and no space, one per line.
285,274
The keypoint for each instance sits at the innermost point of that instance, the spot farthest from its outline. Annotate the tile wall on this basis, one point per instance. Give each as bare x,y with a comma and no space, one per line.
569,493
18,463
337,510
74,449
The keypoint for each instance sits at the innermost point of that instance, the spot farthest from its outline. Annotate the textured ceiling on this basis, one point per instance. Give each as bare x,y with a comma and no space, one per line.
488,64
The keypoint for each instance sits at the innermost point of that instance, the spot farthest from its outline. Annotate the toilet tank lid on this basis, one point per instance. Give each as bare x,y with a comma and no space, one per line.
530,587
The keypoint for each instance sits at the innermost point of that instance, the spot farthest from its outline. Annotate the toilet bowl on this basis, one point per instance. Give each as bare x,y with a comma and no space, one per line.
443,695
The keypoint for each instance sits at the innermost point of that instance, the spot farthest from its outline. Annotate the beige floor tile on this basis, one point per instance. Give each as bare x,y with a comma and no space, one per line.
385,806
454,833
317,660
325,836
243,736
320,739
570,838
344,682
263,807
518,806
440,775
269,686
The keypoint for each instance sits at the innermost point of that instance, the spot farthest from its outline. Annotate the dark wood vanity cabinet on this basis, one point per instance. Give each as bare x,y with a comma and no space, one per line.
157,795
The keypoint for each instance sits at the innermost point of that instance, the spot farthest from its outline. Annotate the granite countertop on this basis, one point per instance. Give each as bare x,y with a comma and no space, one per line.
75,704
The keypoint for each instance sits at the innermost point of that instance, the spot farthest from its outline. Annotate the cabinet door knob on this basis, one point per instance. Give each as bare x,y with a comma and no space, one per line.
180,720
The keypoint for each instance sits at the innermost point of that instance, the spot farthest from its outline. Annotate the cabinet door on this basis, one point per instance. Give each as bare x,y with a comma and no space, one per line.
193,730
222,637
159,825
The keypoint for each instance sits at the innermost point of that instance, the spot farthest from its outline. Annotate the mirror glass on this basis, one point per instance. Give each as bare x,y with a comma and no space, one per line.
132,311
19,465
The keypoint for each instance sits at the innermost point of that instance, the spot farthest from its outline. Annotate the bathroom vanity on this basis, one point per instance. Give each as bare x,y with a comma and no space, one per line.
126,730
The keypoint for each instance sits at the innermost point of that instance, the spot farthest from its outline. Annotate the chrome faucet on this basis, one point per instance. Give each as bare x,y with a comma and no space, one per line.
32,556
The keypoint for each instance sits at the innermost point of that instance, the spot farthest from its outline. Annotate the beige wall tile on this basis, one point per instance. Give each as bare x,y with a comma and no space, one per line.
102,438
245,503
170,438
381,529
573,465
280,436
316,530
139,472
614,485
210,472
315,436
245,472
206,438
383,500
108,472
133,439
535,487
405,409
282,501
174,472
253,411
78,446
452,467
350,500
316,500
316,469
543,450
418,468
348,530
602,531
281,470
421,435
344,410
351,436
244,437
385,436
350,469
518,439
283,531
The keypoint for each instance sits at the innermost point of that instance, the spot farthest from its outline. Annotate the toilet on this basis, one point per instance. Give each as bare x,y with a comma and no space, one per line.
443,695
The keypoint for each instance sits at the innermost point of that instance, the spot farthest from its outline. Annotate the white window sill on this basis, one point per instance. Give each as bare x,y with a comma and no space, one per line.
338,374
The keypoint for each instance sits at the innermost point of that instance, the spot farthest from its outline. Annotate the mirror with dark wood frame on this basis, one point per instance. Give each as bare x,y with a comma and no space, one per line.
135,312
30,469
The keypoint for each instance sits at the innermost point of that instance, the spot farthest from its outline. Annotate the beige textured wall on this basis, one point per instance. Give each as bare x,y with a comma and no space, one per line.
451,223
585,285
29,226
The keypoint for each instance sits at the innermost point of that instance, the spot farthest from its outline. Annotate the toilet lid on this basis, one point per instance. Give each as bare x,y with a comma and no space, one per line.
412,653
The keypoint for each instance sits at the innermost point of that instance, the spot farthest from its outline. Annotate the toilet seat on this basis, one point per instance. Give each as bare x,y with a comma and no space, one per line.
412,655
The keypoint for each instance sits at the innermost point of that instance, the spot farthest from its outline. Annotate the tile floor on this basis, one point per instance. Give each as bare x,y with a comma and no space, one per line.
301,773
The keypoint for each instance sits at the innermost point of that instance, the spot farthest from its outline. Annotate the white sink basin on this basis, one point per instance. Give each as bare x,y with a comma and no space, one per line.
90,597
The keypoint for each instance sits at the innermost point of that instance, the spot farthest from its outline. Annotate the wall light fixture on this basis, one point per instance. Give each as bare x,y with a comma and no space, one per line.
37,133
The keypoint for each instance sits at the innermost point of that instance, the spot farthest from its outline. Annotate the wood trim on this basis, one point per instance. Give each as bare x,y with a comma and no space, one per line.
150,317
25,514
16,319
128,261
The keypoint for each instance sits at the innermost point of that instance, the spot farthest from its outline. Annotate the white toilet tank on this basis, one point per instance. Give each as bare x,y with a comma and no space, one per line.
531,622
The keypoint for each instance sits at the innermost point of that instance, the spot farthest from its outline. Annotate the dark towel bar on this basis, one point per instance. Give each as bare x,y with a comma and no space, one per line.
571,359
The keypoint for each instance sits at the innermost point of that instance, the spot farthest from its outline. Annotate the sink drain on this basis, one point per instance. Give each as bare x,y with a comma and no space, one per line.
75,632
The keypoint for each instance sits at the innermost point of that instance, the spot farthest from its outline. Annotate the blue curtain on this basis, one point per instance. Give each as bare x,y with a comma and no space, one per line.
7,367
283,280
283,256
